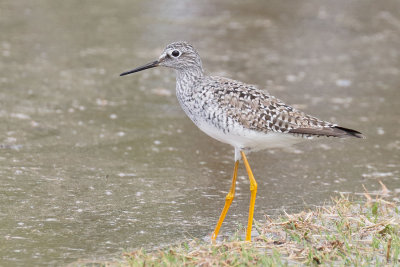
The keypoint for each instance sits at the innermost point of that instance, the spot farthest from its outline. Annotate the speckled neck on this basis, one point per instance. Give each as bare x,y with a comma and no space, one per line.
185,79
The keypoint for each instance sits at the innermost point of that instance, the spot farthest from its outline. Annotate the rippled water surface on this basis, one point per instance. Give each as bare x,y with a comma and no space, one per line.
92,163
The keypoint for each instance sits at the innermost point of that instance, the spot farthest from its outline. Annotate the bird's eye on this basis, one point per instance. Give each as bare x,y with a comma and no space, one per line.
175,53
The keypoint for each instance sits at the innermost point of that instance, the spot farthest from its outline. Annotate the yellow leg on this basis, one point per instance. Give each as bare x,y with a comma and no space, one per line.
228,201
253,192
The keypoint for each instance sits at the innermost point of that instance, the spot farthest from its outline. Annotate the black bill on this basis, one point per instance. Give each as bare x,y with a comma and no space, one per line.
144,67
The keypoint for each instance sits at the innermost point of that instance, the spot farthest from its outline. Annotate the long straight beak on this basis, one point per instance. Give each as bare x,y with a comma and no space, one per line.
144,67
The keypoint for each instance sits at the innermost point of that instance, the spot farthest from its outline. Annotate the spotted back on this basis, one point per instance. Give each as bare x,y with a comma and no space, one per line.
257,110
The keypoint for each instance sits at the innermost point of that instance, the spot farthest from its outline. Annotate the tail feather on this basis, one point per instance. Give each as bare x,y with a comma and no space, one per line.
350,132
335,131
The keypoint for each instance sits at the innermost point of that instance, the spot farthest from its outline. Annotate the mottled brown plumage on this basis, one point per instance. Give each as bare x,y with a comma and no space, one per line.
257,110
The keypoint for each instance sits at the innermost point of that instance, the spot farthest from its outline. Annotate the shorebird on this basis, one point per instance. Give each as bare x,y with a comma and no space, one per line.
238,114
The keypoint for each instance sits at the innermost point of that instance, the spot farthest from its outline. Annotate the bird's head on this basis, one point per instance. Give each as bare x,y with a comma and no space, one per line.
180,56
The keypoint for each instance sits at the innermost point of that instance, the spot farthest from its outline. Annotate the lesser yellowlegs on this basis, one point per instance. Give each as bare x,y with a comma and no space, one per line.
238,114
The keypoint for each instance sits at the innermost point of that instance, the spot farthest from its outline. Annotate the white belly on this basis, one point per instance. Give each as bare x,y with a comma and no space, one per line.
242,138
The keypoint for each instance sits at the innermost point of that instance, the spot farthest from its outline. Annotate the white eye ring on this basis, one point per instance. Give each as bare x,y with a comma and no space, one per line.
175,53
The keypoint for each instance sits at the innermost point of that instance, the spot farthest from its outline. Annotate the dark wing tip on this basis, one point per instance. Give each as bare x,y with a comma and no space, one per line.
335,131
350,132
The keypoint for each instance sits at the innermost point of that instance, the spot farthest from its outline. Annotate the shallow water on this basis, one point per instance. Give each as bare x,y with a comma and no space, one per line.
92,163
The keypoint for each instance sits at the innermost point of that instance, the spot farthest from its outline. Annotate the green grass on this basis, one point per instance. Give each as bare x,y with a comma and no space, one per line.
343,233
